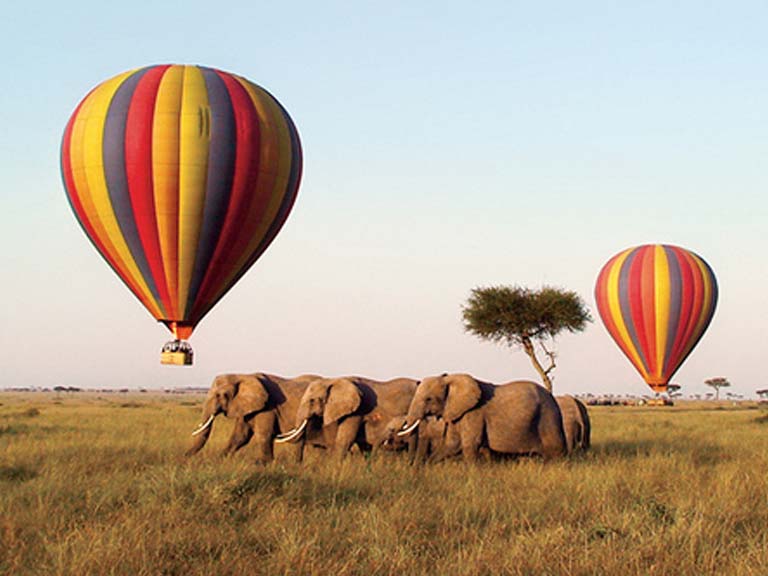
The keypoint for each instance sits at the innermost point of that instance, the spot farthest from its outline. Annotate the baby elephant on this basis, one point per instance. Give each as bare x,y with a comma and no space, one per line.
429,438
576,423
350,411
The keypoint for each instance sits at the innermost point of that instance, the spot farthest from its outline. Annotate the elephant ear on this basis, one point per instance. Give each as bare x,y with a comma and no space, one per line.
251,397
463,395
343,399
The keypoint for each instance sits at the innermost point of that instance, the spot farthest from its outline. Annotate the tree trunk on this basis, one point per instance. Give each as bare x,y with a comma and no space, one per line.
528,347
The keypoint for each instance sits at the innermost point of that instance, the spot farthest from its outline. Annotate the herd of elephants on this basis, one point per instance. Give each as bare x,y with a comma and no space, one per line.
451,415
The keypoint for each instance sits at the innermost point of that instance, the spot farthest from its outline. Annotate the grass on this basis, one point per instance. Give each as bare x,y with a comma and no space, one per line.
94,485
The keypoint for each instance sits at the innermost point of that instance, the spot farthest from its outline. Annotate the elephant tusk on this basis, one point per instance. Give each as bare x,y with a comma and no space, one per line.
203,426
292,435
411,428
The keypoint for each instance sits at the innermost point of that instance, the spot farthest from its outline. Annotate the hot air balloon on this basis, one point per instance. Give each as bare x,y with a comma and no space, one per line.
656,301
181,177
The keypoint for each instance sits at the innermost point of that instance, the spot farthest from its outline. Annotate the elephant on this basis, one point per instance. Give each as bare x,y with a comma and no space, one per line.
389,439
576,423
428,438
517,418
261,405
351,410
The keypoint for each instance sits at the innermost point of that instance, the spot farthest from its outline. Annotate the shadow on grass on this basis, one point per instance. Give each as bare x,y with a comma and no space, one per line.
698,452
16,473
13,429
297,490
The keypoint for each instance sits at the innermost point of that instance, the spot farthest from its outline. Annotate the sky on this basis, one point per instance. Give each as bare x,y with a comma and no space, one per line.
447,145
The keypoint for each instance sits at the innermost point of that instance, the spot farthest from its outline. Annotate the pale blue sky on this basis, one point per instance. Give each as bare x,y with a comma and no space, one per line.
446,146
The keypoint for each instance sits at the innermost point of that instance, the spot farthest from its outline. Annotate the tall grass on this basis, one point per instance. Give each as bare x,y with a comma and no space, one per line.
100,486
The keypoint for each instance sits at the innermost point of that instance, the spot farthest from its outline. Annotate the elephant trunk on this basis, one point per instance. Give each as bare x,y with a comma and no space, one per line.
203,431
407,430
415,416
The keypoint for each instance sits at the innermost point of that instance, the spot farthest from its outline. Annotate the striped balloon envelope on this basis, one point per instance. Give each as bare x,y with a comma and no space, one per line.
181,177
656,301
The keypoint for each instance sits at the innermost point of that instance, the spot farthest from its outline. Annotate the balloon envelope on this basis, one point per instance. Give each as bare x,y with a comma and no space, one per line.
181,176
656,301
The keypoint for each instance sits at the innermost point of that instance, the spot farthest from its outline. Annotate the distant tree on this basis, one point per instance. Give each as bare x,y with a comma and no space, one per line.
523,317
673,390
717,383
763,393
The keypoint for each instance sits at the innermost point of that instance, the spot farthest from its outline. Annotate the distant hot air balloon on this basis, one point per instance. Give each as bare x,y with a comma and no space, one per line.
656,301
181,176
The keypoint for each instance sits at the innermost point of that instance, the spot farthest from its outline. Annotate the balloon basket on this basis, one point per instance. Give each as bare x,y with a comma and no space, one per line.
177,353
660,402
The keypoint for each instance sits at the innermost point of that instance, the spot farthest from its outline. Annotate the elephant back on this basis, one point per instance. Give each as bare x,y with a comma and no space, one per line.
393,397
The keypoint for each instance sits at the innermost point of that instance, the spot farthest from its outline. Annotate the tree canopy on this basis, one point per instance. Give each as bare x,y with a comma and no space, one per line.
717,383
518,316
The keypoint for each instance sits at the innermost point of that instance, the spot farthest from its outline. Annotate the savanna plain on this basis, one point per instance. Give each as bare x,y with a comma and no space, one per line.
95,484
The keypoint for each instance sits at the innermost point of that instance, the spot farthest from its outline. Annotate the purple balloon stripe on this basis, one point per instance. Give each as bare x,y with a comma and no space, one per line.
221,170
675,306
113,150
626,306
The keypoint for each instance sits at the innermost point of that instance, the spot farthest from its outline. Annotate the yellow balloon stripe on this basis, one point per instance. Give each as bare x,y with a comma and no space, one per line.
166,142
193,172
662,299
278,157
90,180
614,305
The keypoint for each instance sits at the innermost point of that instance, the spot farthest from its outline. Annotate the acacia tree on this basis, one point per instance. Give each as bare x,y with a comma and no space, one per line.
717,383
521,317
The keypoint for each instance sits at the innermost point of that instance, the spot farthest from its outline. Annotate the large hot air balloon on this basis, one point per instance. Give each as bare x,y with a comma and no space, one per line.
180,176
656,302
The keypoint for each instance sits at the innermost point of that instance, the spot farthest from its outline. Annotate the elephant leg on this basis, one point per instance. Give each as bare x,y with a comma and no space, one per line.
553,443
263,426
297,451
240,435
418,449
470,430
346,434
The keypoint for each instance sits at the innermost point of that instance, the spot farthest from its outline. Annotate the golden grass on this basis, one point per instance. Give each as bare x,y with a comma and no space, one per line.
99,486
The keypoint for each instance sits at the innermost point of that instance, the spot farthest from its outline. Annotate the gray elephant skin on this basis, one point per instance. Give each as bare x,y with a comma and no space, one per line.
262,405
518,418
352,411
424,442
576,424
